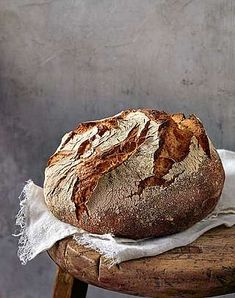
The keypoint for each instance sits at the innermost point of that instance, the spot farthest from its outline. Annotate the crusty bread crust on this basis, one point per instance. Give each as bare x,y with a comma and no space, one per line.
141,173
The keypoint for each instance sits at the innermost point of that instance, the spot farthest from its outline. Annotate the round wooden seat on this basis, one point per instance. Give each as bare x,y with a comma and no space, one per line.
204,268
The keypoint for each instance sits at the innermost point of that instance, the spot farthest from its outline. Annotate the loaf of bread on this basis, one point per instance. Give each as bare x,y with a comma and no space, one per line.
141,173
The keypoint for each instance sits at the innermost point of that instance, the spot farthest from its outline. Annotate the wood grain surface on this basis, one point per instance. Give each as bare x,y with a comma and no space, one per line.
63,284
204,268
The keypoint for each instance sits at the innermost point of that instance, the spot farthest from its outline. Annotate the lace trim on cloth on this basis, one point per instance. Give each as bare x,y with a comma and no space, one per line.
25,251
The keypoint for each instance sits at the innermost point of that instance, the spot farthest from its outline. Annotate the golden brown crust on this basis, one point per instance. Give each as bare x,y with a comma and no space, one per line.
165,158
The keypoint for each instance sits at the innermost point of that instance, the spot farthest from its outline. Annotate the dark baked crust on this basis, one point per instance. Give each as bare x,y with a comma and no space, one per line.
179,206
161,206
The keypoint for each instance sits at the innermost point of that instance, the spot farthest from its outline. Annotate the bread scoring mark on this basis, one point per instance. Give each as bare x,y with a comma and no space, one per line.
62,177
176,133
151,144
60,174
86,145
58,156
190,164
193,124
105,124
173,147
65,140
120,183
102,126
102,162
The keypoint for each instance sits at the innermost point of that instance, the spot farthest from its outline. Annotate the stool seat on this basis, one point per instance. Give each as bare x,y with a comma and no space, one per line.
204,268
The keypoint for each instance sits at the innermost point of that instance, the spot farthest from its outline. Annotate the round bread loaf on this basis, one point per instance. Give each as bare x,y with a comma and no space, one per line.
141,173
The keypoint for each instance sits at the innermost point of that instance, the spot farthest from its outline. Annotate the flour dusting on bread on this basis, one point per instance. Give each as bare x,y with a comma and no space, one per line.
125,173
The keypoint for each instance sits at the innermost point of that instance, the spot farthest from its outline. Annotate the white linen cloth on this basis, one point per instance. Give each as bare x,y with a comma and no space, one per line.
40,229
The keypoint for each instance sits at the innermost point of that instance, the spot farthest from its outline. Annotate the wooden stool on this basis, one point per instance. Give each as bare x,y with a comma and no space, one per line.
204,268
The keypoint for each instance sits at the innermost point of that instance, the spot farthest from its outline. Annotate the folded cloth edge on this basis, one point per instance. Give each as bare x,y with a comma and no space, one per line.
170,242
26,247
26,253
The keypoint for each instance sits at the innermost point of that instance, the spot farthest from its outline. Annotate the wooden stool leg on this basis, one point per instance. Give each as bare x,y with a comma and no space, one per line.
79,289
68,287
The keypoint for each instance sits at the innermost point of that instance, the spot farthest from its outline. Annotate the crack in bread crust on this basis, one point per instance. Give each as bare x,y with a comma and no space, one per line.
159,148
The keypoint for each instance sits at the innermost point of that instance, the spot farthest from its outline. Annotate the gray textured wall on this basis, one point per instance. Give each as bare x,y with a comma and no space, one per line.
62,62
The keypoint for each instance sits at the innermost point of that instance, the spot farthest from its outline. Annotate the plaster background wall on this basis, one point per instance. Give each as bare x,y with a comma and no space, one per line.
63,62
